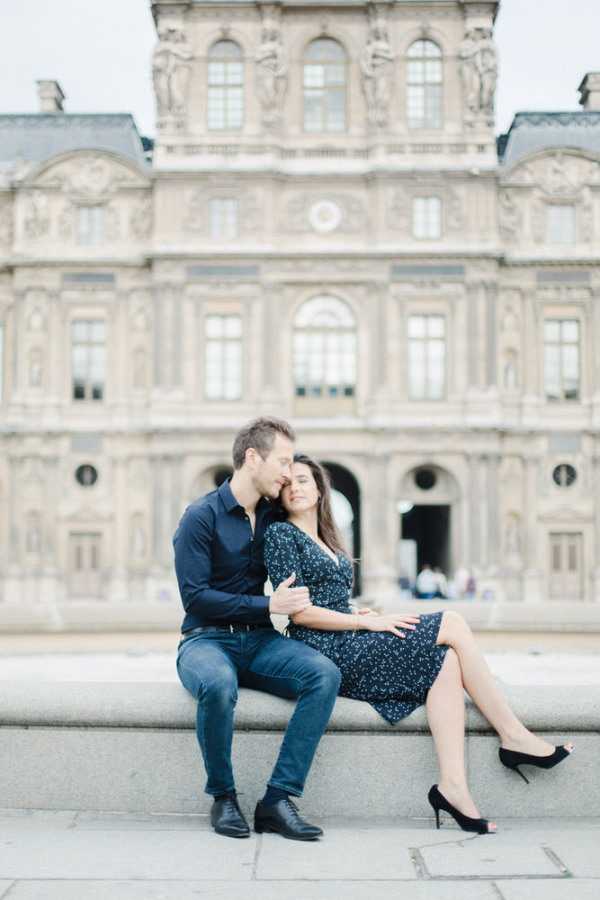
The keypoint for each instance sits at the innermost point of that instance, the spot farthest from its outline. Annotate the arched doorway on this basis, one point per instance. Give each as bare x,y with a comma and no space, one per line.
346,512
426,508
209,479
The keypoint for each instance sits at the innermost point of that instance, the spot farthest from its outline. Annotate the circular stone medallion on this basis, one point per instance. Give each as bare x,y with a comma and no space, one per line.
325,215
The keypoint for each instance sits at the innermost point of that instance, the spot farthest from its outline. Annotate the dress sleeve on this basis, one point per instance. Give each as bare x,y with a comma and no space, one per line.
282,556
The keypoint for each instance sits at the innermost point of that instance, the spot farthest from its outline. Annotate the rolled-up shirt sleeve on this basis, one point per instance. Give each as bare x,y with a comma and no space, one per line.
192,543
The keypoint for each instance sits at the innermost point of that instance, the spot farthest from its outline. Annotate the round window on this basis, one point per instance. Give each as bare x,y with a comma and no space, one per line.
564,475
86,475
425,479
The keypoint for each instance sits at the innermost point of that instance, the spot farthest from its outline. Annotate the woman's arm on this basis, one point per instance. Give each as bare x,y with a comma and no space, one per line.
329,620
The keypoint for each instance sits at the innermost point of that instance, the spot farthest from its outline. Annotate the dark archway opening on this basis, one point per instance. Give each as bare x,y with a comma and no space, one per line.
222,475
344,481
429,527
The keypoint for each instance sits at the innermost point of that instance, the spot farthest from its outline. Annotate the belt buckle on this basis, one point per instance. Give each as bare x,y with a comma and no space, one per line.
231,629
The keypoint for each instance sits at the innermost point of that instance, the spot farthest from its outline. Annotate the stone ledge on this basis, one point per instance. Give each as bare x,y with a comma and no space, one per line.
132,747
169,706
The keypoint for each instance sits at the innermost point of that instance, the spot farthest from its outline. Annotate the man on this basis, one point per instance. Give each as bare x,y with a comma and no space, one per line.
228,638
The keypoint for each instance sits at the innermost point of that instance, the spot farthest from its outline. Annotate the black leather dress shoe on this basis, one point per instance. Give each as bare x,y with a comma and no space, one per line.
226,818
283,818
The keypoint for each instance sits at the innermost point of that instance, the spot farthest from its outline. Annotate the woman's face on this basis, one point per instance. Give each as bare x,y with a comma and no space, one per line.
301,493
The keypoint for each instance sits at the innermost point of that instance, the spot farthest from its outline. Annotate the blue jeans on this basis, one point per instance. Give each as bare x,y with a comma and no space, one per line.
210,666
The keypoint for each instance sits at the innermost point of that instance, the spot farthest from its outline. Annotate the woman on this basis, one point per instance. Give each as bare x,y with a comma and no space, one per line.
395,662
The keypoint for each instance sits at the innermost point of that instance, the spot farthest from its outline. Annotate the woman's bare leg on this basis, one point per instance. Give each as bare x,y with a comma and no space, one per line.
446,715
483,690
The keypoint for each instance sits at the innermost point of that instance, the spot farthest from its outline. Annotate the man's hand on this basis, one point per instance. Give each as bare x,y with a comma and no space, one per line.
288,601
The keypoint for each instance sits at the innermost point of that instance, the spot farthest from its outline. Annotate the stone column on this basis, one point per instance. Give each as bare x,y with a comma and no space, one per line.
473,292
596,495
491,334
378,536
493,529
531,358
531,575
474,553
117,590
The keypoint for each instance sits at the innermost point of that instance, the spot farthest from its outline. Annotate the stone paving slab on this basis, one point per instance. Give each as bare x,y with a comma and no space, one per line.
280,890
582,857
78,854
488,856
367,854
548,890
101,821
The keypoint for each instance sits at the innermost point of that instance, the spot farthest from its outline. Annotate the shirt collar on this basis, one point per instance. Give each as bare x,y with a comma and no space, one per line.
226,495
229,501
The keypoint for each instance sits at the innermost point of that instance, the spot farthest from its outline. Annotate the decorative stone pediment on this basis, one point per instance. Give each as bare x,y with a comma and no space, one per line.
89,176
558,173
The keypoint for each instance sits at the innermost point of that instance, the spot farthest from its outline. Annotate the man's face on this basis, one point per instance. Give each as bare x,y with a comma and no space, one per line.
272,473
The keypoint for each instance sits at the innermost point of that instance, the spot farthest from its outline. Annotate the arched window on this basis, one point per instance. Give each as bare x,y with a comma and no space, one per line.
225,86
424,85
324,86
325,349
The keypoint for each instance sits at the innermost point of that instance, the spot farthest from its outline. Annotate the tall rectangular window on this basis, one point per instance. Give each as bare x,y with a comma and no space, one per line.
426,357
560,223
561,359
427,217
90,225
223,218
88,358
223,357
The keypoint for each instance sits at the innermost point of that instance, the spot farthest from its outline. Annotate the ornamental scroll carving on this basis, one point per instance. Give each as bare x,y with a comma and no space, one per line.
271,67
376,67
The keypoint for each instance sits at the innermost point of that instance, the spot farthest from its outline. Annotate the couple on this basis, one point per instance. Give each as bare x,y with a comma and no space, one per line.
225,544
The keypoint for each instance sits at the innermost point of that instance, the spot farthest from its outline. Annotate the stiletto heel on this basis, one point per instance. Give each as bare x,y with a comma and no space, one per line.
512,759
438,802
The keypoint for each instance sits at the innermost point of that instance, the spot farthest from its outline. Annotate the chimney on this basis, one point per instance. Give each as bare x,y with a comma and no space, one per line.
589,90
50,97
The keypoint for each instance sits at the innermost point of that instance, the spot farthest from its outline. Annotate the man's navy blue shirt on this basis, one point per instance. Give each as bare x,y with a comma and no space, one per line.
219,561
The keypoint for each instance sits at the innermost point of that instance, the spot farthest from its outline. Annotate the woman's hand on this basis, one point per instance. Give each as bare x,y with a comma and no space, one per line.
365,611
391,623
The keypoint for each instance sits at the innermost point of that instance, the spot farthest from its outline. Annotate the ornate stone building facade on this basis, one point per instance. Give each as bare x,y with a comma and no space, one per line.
325,228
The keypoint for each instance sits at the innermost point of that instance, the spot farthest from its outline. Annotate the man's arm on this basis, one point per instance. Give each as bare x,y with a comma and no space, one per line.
193,566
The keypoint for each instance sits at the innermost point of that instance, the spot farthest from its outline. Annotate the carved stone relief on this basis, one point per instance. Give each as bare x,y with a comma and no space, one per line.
376,64
510,215
479,74
140,219
35,368
271,67
310,212
400,205
171,69
6,225
36,222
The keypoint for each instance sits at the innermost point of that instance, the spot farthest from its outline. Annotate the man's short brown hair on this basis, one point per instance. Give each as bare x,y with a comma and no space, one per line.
259,434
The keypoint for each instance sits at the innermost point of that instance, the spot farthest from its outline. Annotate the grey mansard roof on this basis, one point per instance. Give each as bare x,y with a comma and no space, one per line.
36,137
531,132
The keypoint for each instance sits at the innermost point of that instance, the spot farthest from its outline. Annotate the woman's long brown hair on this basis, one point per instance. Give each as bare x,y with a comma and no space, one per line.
326,527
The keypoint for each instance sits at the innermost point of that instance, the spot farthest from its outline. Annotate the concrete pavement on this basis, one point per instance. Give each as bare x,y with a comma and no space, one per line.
87,855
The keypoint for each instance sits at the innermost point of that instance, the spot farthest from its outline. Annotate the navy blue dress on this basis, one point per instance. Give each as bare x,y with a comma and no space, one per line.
392,674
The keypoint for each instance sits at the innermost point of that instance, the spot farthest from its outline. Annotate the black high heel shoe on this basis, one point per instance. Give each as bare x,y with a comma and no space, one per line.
438,802
512,759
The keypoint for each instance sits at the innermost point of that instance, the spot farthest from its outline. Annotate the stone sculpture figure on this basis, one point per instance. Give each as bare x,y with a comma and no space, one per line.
375,64
37,218
171,72
510,215
271,71
478,72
